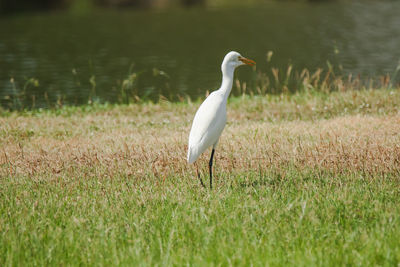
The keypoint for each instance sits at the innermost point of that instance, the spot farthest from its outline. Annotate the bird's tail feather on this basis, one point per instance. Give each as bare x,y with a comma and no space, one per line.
192,154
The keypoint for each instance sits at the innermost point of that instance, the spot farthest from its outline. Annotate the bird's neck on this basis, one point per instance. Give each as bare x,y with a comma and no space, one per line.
227,80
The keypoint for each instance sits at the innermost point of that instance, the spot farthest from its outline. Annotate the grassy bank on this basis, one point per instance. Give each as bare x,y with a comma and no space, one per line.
304,179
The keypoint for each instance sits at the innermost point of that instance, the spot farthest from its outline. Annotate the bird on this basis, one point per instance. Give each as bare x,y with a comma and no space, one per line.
210,118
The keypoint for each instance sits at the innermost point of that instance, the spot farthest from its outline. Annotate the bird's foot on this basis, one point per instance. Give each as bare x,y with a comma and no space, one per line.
201,181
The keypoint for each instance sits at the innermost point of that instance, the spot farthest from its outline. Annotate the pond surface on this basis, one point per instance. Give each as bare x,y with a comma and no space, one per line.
64,51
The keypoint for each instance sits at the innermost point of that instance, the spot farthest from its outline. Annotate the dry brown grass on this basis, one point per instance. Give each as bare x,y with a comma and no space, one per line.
150,140
362,143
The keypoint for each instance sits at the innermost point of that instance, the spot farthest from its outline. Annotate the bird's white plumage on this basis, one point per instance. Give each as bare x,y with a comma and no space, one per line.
210,118
207,126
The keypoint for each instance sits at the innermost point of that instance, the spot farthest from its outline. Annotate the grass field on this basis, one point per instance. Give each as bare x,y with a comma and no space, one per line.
306,179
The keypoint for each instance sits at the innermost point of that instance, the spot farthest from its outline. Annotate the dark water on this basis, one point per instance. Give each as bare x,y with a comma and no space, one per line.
64,50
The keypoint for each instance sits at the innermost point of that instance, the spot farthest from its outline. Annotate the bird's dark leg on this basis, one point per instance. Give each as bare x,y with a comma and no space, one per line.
198,175
210,165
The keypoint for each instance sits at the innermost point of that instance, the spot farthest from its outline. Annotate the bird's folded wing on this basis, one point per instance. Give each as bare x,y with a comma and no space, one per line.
207,126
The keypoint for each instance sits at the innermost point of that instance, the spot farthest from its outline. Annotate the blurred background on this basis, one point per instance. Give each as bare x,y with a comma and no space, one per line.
74,50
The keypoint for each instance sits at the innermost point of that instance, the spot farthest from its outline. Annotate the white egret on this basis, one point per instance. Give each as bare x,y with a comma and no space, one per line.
210,118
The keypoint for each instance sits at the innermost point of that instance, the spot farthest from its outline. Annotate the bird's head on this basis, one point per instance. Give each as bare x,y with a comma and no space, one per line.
234,59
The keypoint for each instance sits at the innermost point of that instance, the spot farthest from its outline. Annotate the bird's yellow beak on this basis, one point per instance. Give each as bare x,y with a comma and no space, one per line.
247,61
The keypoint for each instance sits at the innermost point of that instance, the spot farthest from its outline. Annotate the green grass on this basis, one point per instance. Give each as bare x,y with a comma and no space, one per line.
250,219
109,185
